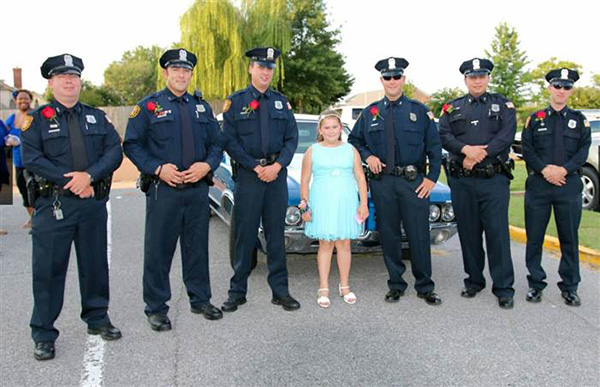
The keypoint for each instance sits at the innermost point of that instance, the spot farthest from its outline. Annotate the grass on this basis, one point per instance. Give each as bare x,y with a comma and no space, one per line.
589,228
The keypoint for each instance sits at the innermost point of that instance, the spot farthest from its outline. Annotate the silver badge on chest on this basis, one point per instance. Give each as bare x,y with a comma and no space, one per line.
413,117
200,108
90,119
572,124
495,107
278,105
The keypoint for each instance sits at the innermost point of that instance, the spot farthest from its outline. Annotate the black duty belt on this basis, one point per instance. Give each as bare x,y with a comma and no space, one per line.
410,172
486,171
187,185
269,160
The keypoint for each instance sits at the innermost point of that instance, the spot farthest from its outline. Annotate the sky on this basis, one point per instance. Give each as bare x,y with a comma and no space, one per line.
434,36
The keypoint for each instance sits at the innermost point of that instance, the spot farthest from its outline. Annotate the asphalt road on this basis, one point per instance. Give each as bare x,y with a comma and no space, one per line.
461,342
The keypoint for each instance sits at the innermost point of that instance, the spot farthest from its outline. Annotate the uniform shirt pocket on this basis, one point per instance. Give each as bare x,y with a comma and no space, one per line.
94,135
56,141
571,138
161,128
542,137
458,124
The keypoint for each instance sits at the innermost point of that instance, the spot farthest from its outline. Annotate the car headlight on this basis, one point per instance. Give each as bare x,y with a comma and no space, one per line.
434,213
447,212
293,217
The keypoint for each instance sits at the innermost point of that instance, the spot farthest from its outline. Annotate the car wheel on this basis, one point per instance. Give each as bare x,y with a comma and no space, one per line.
591,185
232,247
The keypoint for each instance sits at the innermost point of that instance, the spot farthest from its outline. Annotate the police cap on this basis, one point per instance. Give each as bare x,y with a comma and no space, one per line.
562,76
391,66
178,57
61,64
265,56
476,66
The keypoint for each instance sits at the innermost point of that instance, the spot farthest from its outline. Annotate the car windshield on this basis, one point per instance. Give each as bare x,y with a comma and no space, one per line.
595,126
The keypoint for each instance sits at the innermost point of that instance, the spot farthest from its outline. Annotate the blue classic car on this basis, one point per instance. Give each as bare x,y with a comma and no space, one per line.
441,213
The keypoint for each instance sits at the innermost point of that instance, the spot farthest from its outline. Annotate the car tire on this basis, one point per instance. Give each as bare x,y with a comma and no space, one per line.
232,247
591,189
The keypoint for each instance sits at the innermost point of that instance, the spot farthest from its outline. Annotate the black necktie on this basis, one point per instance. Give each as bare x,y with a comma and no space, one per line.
188,155
264,125
390,160
559,146
77,144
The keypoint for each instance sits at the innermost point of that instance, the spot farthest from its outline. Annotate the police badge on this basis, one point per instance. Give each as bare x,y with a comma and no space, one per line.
200,108
572,124
278,105
495,107
413,117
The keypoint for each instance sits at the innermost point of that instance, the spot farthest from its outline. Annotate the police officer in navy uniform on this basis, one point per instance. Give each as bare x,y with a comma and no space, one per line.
261,137
72,149
556,142
172,138
396,136
477,131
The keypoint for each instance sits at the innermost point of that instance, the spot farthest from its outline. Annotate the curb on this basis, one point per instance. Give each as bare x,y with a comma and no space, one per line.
586,255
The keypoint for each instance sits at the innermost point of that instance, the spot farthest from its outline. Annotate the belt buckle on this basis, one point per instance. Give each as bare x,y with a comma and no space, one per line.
410,171
262,162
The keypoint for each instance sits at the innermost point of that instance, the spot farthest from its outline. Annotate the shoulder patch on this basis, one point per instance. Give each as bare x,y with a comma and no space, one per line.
289,106
27,123
134,112
108,119
528,121
586,123
226,105
510,105
431,116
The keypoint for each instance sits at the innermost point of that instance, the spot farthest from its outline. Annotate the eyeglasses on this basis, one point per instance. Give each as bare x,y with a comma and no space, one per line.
559,86
389,77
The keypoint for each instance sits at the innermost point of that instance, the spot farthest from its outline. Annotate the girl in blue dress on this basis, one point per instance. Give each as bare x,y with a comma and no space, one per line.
331,208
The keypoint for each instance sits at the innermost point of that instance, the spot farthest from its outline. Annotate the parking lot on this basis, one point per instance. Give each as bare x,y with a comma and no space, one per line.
461,342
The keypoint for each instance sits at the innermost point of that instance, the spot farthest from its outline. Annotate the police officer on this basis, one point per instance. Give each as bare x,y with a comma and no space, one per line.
395,136
556,142
261,136
172,138
477,131
73,150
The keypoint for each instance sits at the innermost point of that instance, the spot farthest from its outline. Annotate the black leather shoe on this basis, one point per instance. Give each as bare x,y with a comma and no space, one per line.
571,298
107,332
289,303
431,298
231,304
393,295
506,302
209,311
159,322
44,350
469,292
534,295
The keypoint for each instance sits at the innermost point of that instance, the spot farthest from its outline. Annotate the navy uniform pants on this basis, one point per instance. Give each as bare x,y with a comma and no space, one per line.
396,204
255,200
481,207
540,198
84,223
173,214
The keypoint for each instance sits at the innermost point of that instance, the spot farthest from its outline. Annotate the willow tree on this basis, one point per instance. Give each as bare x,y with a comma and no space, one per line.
213,31
269,23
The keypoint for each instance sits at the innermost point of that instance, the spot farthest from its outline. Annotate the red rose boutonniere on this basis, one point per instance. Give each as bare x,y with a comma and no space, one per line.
49,114
375,113
539,116
447,109
252,106
154,107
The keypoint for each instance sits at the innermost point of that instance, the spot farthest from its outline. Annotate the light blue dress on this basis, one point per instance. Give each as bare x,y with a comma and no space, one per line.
333,196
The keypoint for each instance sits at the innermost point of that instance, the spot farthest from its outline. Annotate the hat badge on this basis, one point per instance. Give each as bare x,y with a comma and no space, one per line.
182,55
476,64
270,53
68,60
564,74
391,64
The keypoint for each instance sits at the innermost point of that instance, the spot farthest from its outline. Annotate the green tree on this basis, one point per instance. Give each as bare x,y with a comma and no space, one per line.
441,97
134,76
596,78
509,62
93,95
586,97
537,81
315,77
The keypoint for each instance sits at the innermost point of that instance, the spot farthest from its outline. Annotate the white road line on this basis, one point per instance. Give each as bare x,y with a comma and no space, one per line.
93,360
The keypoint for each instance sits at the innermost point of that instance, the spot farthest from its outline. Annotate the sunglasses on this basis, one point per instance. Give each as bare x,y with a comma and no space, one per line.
559,86
389,77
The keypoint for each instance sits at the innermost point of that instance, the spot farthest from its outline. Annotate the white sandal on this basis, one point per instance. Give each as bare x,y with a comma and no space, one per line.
323,301
349,298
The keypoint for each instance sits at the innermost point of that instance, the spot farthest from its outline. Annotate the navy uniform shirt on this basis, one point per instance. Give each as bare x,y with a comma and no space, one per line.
414,129
153,135
488,120
242,128
47,149
538,139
